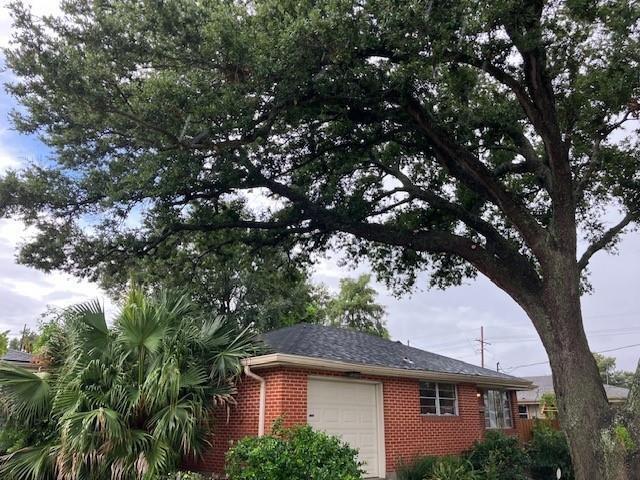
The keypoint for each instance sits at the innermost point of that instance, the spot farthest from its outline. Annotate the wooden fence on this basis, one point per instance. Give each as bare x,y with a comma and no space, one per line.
525,427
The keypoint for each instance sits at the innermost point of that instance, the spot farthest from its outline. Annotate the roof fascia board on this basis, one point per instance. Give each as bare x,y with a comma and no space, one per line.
287,360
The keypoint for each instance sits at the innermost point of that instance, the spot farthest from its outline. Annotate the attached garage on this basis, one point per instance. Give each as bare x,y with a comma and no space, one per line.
389,401
351,410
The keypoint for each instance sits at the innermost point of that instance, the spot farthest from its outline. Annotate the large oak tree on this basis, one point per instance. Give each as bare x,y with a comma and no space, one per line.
453,137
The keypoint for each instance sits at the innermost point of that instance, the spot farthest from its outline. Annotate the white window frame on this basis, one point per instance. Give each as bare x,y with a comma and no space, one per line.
437,399
525,413
487,414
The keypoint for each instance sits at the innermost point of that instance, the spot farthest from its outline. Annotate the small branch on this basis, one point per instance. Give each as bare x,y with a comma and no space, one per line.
594,159
606,239
505,79
511,167
590,170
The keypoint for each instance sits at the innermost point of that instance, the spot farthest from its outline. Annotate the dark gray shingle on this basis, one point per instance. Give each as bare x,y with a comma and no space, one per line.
544,384
16,356
333,343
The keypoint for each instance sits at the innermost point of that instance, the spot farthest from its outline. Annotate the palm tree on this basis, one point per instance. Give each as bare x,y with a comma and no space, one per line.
127,401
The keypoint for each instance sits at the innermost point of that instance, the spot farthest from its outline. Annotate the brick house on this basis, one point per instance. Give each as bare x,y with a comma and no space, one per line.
386,399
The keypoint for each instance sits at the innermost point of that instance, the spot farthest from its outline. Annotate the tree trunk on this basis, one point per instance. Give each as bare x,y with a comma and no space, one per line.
584,412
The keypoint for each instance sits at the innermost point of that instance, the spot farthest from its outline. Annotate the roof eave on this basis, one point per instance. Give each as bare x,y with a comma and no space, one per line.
287,360
19,363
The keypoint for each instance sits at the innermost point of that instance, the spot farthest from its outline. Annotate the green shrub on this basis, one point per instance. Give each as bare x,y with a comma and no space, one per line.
185,476
452,468
417,468
548,451
298,453
499,457
624,438
12,439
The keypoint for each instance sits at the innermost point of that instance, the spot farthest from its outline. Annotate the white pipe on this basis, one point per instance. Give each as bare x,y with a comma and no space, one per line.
263,398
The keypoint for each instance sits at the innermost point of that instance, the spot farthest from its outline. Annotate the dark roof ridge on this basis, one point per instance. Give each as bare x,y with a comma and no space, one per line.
335,343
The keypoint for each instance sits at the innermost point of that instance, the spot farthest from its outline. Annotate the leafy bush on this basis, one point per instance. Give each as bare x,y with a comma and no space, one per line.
12,439
452,468
436,468
499,457
185,476
298,453
548,451
417,468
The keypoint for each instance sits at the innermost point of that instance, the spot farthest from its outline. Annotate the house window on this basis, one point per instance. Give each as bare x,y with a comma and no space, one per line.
438,399
523,411
497,409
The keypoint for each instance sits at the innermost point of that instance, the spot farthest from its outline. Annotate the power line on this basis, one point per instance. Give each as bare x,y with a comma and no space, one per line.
590,335
511,369
602,332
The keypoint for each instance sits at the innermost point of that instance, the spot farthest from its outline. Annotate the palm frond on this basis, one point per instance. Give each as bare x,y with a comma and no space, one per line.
162,384
178,425
158,459
89,318
141,325
27,395
227,362
31,463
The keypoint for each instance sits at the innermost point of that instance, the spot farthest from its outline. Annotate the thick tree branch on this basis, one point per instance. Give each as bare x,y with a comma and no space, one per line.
516,278
475,175
496,243
527,39
606,239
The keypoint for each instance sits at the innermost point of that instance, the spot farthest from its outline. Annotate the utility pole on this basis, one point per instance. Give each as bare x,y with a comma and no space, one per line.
22,339
482,344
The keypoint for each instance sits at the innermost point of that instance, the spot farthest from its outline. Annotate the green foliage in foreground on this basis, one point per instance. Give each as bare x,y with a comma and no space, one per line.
298,453
498,457
452,468
185,476
417,468
125,401
548,451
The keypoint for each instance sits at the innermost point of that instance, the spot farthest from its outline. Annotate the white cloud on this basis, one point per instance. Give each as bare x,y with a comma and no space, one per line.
7,161
25,293
39,7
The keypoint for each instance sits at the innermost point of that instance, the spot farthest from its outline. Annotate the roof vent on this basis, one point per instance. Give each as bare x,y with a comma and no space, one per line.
407,360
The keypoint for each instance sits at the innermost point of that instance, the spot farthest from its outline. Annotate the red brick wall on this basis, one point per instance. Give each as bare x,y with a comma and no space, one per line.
286,398
407,433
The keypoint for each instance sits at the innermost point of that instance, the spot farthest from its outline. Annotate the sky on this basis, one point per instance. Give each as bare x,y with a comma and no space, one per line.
446,322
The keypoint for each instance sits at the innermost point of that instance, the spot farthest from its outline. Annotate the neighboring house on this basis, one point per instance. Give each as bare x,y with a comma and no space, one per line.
386,399
529,401
19,358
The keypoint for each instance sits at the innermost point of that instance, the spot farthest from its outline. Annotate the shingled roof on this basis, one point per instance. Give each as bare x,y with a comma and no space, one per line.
544,384
16,356
340,344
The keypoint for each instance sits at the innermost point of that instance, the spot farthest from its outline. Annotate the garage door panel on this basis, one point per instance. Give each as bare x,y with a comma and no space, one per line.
347,410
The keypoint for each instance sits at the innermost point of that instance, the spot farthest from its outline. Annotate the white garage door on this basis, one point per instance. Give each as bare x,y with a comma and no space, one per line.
348,410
